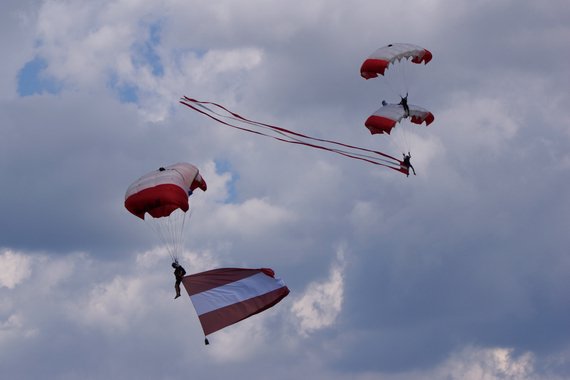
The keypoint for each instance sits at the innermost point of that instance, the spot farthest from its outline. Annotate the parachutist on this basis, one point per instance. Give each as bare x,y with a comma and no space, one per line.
407,164
384,103
179,273
404,103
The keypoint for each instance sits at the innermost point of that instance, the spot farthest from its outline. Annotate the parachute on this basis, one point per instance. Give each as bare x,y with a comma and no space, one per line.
161,199
377,63
386,117
222,297
394,56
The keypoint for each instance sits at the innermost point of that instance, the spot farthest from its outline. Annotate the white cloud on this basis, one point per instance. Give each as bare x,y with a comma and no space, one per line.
216,62
487,121
321,303
14,328
14,268
51,272
113,305
251,218
473,363
217,184
239,343
366,217
82,40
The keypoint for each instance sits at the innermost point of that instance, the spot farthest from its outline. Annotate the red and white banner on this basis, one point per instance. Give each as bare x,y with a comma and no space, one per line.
225,296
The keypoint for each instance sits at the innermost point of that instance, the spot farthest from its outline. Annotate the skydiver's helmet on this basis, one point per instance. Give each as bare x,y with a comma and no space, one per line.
175,265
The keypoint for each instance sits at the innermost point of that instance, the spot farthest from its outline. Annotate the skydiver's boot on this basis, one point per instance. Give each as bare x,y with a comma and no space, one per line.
178,295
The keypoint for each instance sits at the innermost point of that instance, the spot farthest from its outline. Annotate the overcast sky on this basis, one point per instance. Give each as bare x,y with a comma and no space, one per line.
460,272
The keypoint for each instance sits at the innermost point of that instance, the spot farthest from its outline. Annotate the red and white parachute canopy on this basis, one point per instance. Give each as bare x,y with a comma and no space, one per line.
160,198
386,117
379,61
162,191
226,296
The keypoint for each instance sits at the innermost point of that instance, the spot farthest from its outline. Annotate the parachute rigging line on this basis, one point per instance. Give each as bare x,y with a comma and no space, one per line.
220,114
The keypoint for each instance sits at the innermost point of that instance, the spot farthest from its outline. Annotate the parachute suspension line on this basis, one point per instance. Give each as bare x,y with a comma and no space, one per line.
406,136
401,76
405,82
288,136
391,85
395,79
182,228
402,136
170,231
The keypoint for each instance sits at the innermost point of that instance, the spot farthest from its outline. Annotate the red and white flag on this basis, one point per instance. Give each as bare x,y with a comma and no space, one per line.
225,296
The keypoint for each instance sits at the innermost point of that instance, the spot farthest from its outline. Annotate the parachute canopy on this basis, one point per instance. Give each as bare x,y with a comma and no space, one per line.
379,61
386,117
163,191
226,296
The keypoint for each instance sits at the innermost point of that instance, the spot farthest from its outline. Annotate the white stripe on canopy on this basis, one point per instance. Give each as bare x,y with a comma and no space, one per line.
234,292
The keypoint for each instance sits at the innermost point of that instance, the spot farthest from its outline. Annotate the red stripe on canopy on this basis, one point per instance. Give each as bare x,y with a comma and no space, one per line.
226,316
159,201
201,282
379,124
372,67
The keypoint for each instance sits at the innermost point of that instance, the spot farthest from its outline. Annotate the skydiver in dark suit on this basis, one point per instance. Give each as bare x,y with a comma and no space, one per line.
179,273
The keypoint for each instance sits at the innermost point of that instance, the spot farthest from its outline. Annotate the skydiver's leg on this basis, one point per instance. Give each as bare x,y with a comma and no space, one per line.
413,170
177,287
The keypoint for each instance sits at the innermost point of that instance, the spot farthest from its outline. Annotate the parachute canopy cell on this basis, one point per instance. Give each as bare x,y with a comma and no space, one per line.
386,117
226,296
163,191
379,61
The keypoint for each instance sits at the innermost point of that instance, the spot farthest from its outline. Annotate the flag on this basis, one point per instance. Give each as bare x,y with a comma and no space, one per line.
225,296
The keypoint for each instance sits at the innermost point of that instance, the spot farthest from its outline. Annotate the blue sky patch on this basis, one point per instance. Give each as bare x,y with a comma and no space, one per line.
224,166
128,93
33,80
145,53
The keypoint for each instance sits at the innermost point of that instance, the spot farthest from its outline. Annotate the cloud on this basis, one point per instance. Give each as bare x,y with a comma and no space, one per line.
15,268
251,218
321,303
474,363
13,329
241,343
459,271
112,306
477,363
121,303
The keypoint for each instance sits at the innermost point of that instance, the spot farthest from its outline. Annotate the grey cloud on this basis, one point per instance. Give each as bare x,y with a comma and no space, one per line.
472,251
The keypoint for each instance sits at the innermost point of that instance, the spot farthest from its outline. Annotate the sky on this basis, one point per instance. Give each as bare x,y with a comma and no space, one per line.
459,272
